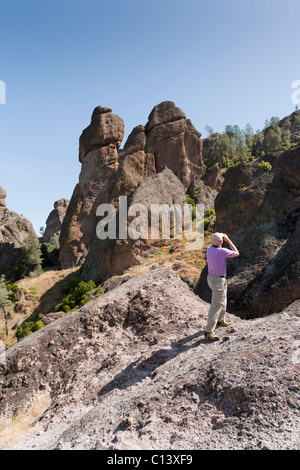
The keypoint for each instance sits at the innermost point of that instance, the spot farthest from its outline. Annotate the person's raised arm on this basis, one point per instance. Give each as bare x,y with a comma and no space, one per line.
232,246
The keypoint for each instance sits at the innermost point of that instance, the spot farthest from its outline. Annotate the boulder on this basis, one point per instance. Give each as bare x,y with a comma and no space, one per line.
213,179
164,113
55,219
105,129
174,142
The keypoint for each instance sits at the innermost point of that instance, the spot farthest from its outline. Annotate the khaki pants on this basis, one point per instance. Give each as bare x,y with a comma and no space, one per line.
218,305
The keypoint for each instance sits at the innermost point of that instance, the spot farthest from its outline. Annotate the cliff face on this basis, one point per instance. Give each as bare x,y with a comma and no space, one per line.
168,140
131,370
260,211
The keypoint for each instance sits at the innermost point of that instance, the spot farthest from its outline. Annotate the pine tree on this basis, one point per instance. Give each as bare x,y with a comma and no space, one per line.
273,139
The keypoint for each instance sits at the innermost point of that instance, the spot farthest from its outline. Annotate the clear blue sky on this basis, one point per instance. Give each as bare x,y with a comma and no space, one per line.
221,61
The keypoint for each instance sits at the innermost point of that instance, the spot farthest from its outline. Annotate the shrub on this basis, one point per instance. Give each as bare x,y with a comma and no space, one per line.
12,289
77,296
32,294
210,213
28,328
264,166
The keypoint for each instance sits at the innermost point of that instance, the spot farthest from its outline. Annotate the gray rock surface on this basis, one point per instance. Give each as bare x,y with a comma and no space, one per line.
131,370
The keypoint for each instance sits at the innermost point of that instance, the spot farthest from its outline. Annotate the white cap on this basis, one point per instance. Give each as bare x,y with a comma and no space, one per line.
217,238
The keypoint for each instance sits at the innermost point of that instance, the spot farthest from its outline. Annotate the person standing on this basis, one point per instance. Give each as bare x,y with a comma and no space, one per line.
216,279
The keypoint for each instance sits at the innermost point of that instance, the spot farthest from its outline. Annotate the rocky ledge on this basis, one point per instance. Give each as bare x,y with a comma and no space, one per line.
131,370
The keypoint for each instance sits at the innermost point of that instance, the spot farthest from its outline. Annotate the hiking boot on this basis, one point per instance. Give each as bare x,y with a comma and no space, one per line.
221,324
211,337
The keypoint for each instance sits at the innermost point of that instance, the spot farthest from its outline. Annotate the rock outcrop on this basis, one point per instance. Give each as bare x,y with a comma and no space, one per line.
14,230
131,370
167,140
260,211
98,153
55,219
205,190
104,130
3,195
111,257
174,142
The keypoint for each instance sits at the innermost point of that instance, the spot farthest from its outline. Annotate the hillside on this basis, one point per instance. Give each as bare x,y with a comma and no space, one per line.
131,370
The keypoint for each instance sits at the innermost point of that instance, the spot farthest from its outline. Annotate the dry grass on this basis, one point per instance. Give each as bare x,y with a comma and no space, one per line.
181,260
48,294
46,280
19,425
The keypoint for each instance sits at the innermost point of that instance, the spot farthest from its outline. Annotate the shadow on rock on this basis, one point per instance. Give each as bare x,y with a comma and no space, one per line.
139,370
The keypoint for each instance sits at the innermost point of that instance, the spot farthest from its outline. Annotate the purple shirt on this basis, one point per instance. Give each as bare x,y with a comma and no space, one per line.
216,260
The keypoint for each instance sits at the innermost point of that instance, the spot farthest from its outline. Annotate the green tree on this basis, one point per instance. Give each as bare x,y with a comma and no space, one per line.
209,130
32,256
273,139
226,145
249,137
274,120
286,138
4,300
229,131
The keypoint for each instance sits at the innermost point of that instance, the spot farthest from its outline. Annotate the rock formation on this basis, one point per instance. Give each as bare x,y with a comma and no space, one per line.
205,190
174,142
260,211
131,370
14,230
3,195
55,219
167,140
111,257
98,153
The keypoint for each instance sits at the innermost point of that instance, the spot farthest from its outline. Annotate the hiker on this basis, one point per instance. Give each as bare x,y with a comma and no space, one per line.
216,279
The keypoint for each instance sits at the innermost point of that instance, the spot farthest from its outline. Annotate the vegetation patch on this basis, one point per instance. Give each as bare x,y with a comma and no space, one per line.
264,166
28,327
77,295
